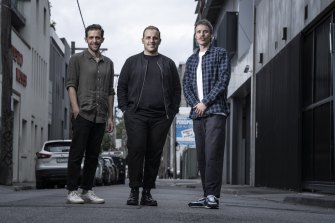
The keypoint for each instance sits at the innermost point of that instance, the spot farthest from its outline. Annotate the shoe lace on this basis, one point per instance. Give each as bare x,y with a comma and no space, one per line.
202,199
211,198
74,194
91,194
148,197
133,195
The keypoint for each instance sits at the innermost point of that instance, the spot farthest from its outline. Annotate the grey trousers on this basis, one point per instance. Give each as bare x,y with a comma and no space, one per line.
210,142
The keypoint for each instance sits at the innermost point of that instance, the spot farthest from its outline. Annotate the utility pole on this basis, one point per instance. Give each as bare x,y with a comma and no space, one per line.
74,48
6,149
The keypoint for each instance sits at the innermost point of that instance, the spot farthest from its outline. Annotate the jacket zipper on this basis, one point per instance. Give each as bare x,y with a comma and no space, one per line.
167,116
145,76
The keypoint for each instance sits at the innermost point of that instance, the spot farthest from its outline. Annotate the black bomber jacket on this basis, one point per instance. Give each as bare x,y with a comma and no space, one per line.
131,83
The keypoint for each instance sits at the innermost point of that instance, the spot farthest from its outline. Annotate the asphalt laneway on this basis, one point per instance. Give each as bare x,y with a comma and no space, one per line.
236,205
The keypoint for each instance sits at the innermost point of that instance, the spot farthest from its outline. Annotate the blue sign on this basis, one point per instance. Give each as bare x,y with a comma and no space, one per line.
184,130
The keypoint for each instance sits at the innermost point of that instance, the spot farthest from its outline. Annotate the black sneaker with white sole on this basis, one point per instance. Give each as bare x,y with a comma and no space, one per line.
198,204
211,202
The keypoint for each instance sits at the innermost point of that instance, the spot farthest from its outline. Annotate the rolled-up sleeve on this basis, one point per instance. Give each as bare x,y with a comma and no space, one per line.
111,90
72,75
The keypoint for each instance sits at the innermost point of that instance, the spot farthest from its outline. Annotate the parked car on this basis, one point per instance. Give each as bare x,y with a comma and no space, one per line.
100,172
121,165
51,163
110,176
51,166
116,169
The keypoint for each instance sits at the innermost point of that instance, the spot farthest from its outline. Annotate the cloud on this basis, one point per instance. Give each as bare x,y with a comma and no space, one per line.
124,21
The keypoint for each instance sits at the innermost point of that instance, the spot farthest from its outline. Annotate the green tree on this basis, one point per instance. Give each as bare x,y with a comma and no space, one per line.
107,142
119,129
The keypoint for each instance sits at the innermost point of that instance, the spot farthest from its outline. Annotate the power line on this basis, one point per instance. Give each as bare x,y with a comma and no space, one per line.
73,45
82,19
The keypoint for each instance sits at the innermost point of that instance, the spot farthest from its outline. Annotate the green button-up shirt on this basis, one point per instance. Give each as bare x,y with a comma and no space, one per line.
93,82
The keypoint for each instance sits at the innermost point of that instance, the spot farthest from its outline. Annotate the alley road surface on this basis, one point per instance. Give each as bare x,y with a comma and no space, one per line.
48,206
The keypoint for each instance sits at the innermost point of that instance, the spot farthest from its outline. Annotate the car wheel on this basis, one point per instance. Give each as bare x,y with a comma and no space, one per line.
40,185
98,182
61,185
122,180
107,180
110,179
50,185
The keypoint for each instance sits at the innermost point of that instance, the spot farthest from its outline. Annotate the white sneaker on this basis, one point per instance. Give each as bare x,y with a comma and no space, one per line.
91,198
74,198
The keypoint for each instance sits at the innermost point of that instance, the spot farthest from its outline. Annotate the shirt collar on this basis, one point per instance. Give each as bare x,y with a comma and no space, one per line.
210,48
89,56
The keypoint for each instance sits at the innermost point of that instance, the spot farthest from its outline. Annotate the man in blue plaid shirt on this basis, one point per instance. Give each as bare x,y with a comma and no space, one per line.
205,86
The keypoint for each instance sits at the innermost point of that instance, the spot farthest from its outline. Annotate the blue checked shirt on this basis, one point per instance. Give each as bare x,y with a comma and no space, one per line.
215,79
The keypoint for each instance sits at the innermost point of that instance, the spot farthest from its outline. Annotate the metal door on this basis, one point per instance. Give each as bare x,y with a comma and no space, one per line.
318,107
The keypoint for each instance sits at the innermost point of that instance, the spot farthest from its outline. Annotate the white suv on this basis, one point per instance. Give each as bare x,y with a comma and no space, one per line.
51,163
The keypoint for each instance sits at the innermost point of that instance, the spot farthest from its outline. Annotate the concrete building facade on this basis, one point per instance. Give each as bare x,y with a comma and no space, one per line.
59,105
30,48
280,132
39,101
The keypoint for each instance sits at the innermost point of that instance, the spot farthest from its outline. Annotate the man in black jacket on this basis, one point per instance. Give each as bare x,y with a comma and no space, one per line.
149,96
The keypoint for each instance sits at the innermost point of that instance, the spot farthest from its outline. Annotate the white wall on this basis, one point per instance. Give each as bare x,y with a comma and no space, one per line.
32,42
244,56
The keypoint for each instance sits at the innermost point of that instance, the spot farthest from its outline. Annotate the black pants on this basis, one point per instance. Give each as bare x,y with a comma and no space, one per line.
146,138
210,142
86,139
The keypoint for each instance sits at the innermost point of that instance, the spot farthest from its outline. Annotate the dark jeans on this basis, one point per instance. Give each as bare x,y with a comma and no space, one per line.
86,139
146,138
210,142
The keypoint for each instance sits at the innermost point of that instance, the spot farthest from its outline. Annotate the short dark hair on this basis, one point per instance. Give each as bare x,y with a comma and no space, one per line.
94,27
154,28
204,22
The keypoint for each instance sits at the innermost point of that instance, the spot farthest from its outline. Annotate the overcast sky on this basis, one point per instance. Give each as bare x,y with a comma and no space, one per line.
124,21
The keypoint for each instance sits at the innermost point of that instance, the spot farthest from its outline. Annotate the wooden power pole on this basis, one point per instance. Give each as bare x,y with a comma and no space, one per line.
6,141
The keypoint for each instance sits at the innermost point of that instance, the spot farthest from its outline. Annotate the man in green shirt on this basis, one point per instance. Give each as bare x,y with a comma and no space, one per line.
91,93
